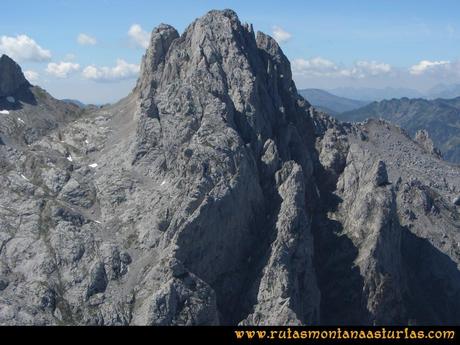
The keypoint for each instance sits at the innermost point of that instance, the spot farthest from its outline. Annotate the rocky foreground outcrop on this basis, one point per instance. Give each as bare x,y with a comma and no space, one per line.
215,194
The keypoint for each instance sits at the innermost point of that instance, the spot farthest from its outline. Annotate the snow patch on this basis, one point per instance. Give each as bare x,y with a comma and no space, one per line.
69,158
86,141
20,120
25,178
97,222
163,183
94,165
10,99
4,112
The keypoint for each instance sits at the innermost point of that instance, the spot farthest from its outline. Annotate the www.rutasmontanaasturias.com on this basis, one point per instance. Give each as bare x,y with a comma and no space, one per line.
341,333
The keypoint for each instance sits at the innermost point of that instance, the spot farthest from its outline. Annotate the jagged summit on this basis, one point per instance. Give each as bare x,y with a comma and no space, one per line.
215,194
208,37
11,77
28,111
218,56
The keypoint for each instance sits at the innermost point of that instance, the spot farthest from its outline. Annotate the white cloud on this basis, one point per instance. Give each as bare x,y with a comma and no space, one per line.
280,35
426,66
121,71
138,36
62,69
320,67
363,69
31,76
86,40
317,66
23,48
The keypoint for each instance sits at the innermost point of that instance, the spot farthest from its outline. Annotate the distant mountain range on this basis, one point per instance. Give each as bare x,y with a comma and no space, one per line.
74,101
440,117
374,94
341,100
444,91
435,113
330,103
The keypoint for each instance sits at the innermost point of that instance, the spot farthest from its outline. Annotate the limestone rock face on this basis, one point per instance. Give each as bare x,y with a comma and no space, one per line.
12,77
423,138
374,236
214,194
30,111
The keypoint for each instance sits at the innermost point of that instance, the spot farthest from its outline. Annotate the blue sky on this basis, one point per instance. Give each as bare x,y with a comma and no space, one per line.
331,43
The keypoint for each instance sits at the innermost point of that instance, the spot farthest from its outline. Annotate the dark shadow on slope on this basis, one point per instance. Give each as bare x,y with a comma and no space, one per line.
22,95
236,279
227,259
339,279
237,306
242,126
237,290
432,293
265,235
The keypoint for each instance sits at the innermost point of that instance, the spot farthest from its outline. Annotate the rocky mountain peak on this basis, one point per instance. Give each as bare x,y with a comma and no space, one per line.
423,138
160,41
163,36
215,194
218,57
11,76
28,111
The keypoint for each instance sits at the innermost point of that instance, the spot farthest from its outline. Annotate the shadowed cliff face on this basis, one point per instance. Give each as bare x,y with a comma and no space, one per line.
31,111
214,194
12,77
236,103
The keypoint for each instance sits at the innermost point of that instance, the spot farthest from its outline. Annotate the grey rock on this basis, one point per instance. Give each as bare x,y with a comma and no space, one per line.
125,258
98,280
77,194
388,230
423,138
270,157
33,113
3,284
220,196
288,293
96,299
12,77
418,116
380,175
